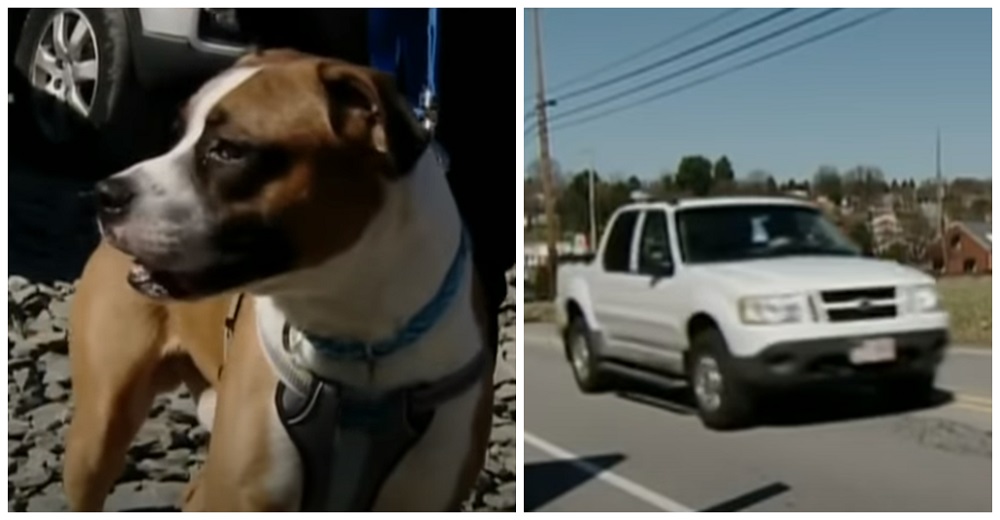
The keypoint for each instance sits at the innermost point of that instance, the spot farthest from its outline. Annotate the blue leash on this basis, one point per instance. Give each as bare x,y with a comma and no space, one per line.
404,42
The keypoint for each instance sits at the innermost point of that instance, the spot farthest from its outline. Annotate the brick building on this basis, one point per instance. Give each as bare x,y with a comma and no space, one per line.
969,246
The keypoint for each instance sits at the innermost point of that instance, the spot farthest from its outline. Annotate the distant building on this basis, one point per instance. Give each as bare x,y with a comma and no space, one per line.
969,247
886,229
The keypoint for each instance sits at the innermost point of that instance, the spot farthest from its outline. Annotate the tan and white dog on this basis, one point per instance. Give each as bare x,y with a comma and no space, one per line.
307,184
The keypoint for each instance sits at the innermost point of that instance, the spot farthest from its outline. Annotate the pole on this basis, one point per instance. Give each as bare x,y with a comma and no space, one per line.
543,151
591,202
941,215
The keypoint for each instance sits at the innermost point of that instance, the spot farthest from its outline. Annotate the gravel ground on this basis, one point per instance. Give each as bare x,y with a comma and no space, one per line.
171,444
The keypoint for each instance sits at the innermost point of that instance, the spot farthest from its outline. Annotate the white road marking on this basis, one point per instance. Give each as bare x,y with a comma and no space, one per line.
610,478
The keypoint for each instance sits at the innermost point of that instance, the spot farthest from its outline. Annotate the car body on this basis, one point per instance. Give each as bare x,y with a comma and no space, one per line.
763,290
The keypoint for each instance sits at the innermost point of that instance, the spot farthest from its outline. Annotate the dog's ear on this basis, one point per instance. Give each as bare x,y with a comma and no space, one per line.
366,107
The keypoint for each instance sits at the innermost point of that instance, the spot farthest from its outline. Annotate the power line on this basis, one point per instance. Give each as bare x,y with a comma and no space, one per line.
701,64
645,50
771,55
670,59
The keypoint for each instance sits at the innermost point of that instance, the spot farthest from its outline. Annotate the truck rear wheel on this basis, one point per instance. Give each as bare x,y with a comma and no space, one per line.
583,361
724,401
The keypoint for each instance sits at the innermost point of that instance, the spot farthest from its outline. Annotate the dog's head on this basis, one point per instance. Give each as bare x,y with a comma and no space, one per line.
283,161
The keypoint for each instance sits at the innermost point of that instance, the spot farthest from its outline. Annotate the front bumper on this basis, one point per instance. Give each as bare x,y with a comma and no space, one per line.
794,363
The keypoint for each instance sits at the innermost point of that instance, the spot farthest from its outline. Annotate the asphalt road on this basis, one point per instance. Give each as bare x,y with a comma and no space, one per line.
645,450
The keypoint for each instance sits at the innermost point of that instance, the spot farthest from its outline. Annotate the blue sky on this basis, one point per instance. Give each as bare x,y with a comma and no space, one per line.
873,94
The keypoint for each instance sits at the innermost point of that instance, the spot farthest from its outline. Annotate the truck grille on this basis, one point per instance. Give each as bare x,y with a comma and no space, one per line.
860,304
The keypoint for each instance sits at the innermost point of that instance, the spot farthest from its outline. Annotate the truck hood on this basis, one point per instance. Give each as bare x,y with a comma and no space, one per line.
806,273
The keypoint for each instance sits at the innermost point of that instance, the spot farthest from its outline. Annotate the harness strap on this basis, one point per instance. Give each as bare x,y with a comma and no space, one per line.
349,443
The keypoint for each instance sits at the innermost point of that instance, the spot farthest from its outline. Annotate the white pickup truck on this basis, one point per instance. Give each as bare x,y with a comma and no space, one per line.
744,297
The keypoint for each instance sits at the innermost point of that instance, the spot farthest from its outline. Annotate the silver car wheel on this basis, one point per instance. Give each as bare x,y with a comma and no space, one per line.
708,384
67,59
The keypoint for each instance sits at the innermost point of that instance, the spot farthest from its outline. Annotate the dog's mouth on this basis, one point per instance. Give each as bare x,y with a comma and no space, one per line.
161,284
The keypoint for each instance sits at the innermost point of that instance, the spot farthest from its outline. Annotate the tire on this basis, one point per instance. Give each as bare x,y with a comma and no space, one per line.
107,90
735,405
910,391
582,359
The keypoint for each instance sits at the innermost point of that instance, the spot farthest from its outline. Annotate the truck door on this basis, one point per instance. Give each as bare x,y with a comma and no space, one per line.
654,294
609,294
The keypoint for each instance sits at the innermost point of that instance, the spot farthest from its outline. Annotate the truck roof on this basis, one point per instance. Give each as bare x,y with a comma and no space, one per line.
703,202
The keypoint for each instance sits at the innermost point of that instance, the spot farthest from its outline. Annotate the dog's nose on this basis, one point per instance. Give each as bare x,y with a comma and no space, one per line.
114,196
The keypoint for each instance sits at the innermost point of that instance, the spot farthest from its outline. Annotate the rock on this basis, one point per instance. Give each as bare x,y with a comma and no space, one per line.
54,392
43,457
23,295
56,368
505,432
48,416
50,500
16,284
172,468
145,496
48,338
30,476
154,438
506,391
16,428
60,309
16,449
21,377
50,441
21,349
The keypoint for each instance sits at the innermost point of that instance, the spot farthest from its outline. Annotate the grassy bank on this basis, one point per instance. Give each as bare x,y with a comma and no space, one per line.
969,300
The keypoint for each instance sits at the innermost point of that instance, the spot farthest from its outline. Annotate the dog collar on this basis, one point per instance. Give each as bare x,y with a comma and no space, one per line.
344,349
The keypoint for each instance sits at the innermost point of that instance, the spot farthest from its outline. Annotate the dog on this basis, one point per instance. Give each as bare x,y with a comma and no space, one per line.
297,261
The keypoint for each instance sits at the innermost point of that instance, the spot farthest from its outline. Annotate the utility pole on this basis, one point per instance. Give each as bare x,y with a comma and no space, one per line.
591,174
941,215
543,150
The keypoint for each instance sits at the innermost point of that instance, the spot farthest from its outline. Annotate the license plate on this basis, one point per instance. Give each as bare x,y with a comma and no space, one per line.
878,350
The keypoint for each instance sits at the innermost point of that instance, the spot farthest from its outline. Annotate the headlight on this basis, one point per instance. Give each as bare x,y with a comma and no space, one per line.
771,310
924,298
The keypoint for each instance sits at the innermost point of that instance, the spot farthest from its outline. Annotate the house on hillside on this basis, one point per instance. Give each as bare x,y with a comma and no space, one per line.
969,249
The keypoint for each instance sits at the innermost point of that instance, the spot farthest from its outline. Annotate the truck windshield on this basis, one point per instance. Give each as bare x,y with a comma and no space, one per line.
753,231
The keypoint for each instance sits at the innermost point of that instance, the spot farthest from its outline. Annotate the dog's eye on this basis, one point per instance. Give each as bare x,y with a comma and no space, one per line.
226,151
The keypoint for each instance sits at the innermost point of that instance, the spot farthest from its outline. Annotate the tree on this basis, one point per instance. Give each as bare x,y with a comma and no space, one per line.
760,182
829,184
865,184
723,171
666,186
980,209
694,174
573,206
862,236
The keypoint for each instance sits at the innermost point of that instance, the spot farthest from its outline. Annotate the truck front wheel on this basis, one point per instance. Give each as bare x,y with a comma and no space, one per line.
582,358
724,401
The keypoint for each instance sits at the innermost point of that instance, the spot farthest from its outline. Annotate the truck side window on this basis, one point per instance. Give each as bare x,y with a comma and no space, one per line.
654,246
618,248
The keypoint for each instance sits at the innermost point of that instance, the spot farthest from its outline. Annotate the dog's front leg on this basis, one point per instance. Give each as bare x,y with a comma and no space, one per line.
252,464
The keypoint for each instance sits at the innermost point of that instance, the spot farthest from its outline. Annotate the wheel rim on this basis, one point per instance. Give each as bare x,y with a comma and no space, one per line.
708,383
581,357
66,62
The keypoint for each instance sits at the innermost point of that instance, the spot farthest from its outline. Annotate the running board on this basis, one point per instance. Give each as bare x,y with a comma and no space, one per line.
637,374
